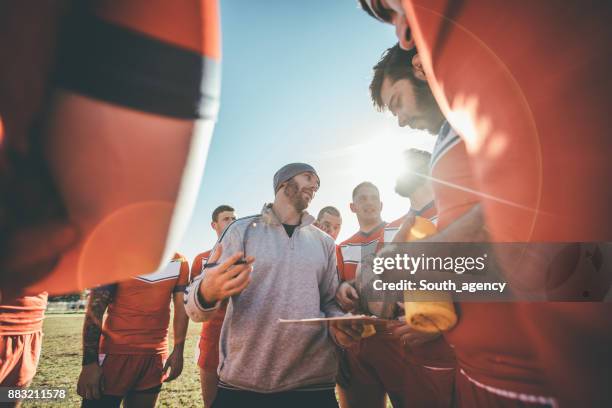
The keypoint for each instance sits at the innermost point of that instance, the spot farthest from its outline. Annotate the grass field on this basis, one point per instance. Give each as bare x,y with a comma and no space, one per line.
60,365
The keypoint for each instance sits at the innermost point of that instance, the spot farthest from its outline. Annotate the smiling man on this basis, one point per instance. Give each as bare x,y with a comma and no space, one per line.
263,362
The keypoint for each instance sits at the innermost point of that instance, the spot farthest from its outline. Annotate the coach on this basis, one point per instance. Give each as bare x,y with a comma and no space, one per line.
290,274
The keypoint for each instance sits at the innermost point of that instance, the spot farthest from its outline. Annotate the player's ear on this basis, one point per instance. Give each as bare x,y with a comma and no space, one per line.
417,68
213,225
353,208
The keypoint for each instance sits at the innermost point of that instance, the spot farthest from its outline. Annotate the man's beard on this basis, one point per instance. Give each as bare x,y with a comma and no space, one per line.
293,193
430,109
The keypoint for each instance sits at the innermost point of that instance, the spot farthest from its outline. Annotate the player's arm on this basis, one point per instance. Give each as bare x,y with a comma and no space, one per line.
346,295
90,380
180,322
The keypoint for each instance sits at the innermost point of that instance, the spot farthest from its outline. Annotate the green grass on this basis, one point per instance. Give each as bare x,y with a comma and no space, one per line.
60,365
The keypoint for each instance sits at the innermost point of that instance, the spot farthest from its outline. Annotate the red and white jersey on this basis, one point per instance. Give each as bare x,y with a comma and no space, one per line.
429,212
351,251
452,180
138,317
22,315
484,340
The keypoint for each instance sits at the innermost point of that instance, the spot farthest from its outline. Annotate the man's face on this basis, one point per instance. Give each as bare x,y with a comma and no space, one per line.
406,184
223,220
301,189
330,224
419,111
367,205
393,13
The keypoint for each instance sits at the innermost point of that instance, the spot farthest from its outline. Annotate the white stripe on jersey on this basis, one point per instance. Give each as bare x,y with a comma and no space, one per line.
170,271
447,139
353,253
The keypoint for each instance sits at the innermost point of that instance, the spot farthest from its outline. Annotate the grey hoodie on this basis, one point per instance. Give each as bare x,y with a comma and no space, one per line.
293,278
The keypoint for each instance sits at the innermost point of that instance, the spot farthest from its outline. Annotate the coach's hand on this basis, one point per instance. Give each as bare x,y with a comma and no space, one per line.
91,384
174,363
225,279
347,297
346,333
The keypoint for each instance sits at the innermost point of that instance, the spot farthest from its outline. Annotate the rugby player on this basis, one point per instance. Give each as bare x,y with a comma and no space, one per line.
494,367
126,357
413,183
521,137
21,321
330,221
141,80
373,366
208,345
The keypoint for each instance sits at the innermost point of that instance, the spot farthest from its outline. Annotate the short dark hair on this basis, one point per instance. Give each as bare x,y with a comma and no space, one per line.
383,14
328,210
395,64
362,185
423,155
219,210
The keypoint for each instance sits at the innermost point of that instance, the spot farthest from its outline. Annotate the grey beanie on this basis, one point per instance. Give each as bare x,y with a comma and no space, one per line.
291,170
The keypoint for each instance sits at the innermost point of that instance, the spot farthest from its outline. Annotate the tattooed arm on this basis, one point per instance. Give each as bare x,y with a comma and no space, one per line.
90,380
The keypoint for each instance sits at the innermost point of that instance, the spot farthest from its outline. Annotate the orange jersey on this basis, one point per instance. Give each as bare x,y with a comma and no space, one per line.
452,180
23,315
519,105
351,251
483,342
139,315
148,60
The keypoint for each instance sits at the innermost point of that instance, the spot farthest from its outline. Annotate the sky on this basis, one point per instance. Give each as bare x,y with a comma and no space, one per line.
295,77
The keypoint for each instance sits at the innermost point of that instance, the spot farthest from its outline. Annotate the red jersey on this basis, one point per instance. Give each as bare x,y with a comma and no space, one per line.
154,60
23,315
520,106
351,251
138,317
484,343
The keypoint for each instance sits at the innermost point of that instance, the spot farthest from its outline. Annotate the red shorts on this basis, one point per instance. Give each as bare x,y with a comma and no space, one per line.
19,355
208,351
470,392
381,360
131,372
208,346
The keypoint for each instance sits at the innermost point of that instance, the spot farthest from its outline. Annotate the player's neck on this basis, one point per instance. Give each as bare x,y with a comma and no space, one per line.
286,213
368,226
420,198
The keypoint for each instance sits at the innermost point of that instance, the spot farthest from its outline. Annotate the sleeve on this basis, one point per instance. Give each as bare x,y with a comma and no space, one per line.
339,263
196,266
329,286
231,242
183,278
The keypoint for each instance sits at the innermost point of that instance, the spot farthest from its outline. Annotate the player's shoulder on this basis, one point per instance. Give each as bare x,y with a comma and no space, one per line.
178,258
321,235
239,225
203,255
